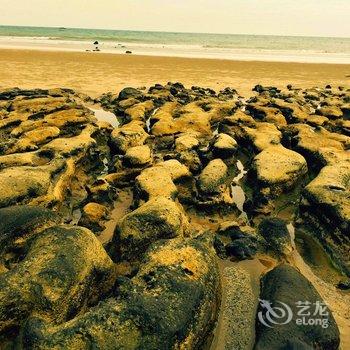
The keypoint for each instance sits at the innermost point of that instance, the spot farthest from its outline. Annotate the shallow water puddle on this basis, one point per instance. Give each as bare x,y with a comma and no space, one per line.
238,194
121,208
148,121
105,116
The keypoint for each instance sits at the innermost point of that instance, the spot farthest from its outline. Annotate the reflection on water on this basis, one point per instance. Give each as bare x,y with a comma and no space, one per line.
238,194
105,116
148,121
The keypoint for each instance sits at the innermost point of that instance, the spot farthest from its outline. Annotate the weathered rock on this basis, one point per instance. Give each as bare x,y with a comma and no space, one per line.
154,182
212,177
170,303
23,222
286,285
279,169
158,218
243,241
313,144
26,159
331,112
267,114
177,170
71,146
328,196
224,146
277,236
32,139
93,216
129,92
186,142
190,159
139,111
24,183
129,135
138,156
238,310
263,135
59,272
191,119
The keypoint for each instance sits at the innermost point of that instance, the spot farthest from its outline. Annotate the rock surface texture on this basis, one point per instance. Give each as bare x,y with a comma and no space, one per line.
155,234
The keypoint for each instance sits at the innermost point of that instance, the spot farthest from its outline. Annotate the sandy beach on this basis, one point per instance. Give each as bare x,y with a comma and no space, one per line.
96,73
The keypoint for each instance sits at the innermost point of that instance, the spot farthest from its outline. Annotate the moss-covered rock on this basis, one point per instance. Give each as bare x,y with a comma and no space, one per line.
279,169
212,177
171,303
129,135
186,142
154,182
138,156
54,275
328,196
284,284
22,222
224,146
177,170
158,218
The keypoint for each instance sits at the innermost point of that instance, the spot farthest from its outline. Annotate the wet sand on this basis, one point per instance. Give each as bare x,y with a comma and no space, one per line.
96,73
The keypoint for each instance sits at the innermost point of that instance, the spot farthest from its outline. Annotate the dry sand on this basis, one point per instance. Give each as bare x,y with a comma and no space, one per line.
95,73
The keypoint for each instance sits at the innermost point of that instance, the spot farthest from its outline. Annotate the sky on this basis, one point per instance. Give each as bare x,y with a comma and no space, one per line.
277,17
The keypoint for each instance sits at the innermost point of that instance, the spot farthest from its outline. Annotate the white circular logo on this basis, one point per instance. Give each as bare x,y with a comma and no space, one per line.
274,315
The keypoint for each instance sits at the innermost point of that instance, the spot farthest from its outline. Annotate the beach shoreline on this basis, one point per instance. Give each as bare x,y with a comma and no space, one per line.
173,50
239,47
97,73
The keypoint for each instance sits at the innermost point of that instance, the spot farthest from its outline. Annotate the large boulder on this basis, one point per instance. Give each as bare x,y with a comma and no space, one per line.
56,274
287,291
138,156
224,146
129,135
328,196
154,182
23,222
213,176
158,218
279,169
171,303
277,236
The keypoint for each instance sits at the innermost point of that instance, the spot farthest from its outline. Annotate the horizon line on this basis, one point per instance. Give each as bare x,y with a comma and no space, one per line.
178,32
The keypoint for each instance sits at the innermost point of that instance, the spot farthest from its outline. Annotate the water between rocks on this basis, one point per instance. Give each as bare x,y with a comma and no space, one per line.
105,116
237,191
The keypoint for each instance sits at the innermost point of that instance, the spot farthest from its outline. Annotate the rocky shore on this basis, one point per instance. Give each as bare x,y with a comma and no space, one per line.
176,224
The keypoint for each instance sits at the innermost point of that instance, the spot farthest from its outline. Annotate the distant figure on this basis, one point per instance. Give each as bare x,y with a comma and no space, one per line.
128,52
96,46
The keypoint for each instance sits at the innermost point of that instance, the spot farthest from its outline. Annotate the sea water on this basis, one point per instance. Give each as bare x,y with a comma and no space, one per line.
219,46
